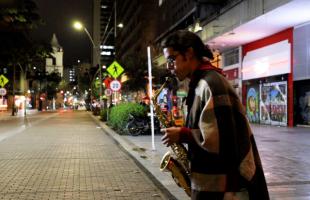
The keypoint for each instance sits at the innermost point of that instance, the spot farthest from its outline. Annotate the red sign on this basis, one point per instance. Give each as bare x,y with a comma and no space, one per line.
107,82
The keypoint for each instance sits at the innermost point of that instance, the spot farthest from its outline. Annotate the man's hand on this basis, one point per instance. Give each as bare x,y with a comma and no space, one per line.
171,135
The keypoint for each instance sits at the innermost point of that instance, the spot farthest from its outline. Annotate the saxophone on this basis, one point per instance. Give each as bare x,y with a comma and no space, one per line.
177,164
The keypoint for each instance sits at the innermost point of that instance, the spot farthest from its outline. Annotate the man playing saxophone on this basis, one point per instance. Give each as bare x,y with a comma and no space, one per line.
224,160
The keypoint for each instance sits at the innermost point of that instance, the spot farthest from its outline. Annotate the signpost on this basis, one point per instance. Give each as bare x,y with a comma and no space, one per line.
3,105
3,80
2,91
115,69
115,85
108,92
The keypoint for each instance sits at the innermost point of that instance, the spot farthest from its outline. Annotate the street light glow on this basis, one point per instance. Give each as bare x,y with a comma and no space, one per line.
78,25
120,25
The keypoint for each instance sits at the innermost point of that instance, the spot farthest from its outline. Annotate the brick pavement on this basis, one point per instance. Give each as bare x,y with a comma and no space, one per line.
68,156
284,153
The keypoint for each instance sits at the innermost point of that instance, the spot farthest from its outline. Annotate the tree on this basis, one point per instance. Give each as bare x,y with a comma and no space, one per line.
63,85
52,83
84,77
136,68
17,50
18,16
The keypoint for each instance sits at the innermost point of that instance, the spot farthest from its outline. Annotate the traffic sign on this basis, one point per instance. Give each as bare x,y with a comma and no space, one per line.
107,92
115,69
2,91
115,85
3,80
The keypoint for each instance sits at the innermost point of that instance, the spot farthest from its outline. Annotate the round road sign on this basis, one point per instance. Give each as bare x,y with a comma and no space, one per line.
2,91
108,92
115,85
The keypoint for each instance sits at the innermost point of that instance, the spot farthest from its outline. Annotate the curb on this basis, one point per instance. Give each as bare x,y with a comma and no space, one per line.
139,158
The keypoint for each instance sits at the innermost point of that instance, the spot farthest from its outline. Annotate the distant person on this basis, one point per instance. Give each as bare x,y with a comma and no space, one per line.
224,160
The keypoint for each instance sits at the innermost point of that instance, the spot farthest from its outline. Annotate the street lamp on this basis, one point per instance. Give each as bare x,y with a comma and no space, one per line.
79,26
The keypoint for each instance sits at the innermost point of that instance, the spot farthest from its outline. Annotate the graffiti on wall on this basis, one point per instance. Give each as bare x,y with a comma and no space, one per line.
273,103
252,104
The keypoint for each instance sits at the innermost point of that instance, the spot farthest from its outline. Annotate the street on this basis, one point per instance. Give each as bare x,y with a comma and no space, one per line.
65,155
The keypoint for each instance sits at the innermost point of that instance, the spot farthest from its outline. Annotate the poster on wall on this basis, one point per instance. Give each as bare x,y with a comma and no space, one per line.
264,105
252,102
273,103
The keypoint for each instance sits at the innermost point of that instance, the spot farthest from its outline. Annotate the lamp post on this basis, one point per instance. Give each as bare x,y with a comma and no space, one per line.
79,26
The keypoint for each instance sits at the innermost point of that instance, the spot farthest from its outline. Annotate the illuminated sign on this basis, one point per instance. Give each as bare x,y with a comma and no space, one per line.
3,80
115,69
267,61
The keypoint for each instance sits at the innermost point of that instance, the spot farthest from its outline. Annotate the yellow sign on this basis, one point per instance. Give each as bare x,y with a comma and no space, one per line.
3,80
115,69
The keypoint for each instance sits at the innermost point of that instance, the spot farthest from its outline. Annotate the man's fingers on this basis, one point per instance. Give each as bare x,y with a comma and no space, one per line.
167,142
164,137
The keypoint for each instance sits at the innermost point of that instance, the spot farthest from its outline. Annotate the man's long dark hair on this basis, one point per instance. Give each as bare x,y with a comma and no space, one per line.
182,40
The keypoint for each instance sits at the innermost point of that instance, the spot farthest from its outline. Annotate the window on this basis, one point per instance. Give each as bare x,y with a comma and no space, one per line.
54,60
231,57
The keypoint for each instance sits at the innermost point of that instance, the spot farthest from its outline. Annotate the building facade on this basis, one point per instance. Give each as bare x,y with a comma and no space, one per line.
103,32
270,52
261,45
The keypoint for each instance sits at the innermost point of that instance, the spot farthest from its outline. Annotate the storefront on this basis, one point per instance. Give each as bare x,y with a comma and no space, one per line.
266,100
302,75
267,80
302,102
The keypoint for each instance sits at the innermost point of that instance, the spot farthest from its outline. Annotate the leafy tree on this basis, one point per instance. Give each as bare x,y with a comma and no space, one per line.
136,71
85,76
52,83
17,50
63,85
19,16
136,68
17,19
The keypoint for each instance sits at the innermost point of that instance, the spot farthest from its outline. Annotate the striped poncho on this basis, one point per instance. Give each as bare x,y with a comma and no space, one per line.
222,151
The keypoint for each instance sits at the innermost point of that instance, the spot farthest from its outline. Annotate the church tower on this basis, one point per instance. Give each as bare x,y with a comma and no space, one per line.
55,63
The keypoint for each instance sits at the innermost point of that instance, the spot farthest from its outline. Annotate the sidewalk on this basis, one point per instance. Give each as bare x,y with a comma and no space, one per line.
284,153
5,115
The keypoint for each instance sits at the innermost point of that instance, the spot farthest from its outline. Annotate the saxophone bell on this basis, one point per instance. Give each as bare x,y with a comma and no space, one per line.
169,164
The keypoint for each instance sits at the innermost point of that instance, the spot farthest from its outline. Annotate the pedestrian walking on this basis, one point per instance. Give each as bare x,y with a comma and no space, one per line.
224,160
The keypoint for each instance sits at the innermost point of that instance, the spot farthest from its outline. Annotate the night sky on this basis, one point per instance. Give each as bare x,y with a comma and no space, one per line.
59,16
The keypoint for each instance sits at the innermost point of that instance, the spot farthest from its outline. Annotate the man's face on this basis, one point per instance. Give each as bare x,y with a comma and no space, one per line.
177,63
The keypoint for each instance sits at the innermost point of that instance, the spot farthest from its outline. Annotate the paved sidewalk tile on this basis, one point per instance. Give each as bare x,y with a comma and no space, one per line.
68,156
